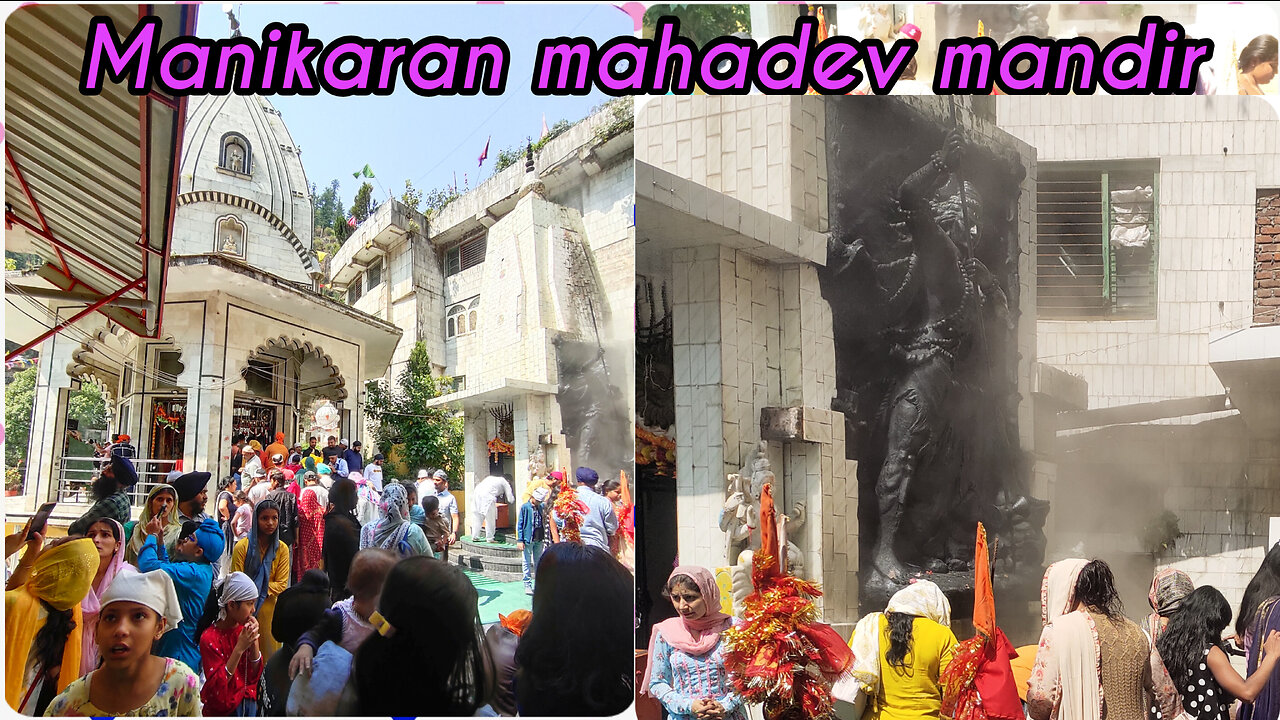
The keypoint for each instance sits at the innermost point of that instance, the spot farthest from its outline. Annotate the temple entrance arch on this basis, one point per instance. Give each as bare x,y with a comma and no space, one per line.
285,381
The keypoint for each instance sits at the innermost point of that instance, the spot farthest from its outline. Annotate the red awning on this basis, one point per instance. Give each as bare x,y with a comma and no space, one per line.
90,181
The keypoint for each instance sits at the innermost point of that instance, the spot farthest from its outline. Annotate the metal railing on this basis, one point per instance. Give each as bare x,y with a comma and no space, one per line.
76,474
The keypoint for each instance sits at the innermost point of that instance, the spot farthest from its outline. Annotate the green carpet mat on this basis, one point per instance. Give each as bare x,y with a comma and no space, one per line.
498,597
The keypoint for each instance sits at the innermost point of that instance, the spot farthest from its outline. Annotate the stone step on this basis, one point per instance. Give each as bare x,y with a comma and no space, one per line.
500,569
505,550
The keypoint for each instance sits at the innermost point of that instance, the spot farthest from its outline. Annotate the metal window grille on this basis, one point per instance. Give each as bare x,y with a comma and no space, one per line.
1096,237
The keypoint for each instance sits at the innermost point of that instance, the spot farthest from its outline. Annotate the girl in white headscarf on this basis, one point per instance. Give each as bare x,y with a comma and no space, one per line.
136,610
900,654
230,653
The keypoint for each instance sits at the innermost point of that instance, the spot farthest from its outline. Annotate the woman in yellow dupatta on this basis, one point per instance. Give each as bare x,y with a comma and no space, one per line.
46,599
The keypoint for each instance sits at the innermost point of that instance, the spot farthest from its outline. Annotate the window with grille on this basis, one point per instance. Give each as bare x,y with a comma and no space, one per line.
1096,237
465,256
354,290
373,275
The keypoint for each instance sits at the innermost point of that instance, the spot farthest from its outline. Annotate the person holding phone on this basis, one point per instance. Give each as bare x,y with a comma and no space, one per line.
43,625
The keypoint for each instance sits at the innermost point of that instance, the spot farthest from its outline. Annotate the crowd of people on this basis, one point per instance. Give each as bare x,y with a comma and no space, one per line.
1091,662
316,586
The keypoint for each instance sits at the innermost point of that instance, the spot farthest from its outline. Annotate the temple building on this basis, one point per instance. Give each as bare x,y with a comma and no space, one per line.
521,291
247,345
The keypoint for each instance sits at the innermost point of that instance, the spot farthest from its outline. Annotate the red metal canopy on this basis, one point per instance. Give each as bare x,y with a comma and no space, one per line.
90,181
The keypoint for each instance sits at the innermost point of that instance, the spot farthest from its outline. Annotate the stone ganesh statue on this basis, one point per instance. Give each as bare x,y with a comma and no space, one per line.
740,519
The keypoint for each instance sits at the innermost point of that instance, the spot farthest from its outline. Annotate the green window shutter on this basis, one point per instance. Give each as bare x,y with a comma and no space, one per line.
1108,257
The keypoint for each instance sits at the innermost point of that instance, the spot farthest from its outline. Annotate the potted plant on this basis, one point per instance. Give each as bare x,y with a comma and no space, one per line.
12,481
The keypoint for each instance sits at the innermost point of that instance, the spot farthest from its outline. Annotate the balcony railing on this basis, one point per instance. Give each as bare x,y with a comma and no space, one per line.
75,478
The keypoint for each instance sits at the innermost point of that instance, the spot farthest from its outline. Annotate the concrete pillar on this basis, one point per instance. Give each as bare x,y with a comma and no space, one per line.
700,478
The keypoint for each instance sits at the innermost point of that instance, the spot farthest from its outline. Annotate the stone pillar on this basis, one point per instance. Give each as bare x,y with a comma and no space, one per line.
700,476
817,471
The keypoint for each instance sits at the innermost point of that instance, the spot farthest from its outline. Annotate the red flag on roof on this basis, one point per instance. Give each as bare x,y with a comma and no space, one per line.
485,154
351,222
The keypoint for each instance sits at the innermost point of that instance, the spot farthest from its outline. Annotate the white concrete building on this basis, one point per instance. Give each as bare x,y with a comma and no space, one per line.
1172,339
247,345
493,281
735,209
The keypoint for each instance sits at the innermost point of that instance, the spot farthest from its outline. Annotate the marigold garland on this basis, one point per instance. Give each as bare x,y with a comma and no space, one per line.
780,655
571,510
498,447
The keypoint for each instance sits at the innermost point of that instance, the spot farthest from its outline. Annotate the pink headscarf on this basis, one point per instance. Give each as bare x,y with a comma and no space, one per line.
356,477
694,637
90,605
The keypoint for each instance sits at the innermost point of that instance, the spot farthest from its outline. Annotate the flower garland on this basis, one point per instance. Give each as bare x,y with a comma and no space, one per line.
571,510
171,422
497,447
780,655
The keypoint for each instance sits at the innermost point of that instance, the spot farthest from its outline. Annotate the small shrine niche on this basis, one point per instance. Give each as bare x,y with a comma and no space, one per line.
230,235
235,154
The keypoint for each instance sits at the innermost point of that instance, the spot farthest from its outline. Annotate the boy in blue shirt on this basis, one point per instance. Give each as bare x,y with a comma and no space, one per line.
529,535
199,546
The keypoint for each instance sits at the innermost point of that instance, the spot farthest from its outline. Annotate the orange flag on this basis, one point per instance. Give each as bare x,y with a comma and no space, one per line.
984,598
768,552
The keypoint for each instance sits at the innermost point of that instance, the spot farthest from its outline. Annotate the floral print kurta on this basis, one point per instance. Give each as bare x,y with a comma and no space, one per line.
177,696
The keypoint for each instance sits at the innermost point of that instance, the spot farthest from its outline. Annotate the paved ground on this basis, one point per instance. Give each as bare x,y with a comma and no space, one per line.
498,597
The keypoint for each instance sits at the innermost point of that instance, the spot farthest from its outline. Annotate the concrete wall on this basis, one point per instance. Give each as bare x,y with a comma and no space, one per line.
768,152
1214,154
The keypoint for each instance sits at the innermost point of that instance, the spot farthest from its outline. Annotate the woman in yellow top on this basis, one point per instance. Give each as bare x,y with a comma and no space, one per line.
900,654
42,620
265,559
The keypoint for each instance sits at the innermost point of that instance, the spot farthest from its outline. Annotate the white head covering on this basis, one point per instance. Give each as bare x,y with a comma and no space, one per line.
922,599
422,475
237,587
151,589
1058,590
541,494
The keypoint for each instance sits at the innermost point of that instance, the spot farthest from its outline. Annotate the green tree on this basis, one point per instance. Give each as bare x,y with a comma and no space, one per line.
436,200
19,399
327,206
88,406
701,23
515,155
432,436
363,206
412,196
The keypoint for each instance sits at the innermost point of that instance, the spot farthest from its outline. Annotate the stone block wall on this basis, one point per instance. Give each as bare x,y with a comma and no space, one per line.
766,151
1266,258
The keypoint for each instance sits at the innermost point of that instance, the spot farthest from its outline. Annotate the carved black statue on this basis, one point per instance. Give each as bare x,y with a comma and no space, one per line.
592,409
926,358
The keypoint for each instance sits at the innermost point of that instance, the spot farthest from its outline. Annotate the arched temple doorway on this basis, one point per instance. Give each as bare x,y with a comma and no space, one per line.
285,381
